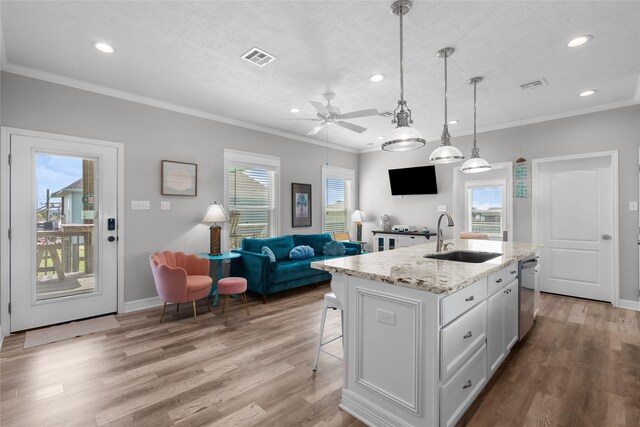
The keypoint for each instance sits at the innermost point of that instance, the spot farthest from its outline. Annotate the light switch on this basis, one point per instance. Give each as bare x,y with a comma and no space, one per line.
442,208
165,205
633,206
138,205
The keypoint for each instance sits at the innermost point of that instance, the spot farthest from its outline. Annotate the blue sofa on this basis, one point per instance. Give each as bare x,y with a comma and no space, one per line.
265,277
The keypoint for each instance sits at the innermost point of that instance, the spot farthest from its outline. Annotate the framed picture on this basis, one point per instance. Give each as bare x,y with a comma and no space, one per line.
300,205
178,178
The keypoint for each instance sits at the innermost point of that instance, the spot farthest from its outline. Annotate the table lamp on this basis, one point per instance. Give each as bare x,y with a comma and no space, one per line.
215,214
358,217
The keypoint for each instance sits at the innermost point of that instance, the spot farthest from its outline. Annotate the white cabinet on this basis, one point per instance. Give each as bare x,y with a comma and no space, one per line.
390,241
502,329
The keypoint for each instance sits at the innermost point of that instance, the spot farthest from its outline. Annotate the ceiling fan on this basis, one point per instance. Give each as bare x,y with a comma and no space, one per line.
328,114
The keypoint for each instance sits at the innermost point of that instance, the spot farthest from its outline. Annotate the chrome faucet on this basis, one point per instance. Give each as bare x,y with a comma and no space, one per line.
449,223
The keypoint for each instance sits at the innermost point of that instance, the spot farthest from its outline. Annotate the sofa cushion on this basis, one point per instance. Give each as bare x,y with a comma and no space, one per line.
281,246
291,270
316,241
351,251
334,248
268,252
301,252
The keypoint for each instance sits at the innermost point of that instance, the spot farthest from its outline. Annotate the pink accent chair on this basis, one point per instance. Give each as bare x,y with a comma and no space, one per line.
181,278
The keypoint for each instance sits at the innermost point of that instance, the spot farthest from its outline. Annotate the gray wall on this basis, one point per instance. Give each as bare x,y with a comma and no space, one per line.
617,129
149,135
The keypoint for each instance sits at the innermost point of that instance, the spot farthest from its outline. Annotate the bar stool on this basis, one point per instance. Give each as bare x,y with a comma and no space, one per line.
232,286
330,301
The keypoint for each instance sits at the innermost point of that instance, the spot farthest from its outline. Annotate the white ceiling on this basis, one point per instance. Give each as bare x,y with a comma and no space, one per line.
188,54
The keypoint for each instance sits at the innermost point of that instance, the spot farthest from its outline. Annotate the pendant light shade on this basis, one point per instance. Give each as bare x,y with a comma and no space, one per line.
476,163
446,153
403,137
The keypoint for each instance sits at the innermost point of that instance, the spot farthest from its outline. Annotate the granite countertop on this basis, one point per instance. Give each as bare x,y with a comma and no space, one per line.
407,266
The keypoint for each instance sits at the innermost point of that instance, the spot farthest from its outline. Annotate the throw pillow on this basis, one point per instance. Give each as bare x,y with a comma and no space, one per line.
301,252
267,251
334,248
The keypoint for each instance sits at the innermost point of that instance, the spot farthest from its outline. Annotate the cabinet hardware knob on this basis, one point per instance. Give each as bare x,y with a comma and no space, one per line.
499,281
471,298
506,291
467,335
513,271
467,385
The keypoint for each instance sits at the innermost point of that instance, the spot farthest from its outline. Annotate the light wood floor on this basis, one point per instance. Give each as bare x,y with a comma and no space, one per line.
580,366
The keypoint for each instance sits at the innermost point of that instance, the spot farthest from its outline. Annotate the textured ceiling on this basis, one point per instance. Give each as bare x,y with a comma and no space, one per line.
188,53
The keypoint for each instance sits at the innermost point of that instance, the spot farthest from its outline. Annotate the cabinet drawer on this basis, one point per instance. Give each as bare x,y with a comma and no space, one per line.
454,305
501,278
461,338
404,241
457,394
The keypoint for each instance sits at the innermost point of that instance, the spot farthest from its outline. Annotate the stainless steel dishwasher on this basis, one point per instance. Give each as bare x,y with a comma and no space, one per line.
527,272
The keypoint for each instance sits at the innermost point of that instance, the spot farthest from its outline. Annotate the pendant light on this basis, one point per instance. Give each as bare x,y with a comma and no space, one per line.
476,163
403,137
446,153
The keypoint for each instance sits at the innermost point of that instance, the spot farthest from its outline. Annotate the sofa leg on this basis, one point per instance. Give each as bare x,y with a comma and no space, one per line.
264,299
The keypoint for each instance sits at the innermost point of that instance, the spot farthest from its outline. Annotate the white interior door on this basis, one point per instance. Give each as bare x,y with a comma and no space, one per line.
574,205
64,247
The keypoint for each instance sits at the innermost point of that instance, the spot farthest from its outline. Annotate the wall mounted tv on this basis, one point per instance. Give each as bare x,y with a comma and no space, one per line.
411,181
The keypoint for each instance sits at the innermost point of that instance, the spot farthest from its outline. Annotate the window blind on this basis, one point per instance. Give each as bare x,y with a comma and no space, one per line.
337,203
252,202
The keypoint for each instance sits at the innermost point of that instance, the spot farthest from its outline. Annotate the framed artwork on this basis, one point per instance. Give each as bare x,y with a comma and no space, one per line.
178,178
300,205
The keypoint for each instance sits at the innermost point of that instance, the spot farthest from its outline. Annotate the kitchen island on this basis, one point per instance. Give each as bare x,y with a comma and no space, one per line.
423,336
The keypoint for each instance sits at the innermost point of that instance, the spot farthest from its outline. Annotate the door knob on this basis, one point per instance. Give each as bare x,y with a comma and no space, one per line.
606,237
111,238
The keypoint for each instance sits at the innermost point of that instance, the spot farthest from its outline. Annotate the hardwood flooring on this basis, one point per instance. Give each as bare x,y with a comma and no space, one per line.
580,366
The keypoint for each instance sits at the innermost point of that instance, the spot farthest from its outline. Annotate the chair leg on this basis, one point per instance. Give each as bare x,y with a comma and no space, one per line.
246,303
195,316
177,307
322,320
225,308
208,304
164,307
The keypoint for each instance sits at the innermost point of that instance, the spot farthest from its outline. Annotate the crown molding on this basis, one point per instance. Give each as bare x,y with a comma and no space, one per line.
540,119
128,96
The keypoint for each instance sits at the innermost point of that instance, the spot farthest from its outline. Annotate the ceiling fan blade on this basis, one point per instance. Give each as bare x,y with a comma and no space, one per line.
313,119
351,126
320,108
315,130
359,113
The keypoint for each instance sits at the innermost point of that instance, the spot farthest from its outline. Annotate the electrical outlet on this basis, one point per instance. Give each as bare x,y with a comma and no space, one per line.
384,316
442,208
633,206
165,205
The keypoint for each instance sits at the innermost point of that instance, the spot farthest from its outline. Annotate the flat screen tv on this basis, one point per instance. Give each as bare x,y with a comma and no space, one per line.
411,181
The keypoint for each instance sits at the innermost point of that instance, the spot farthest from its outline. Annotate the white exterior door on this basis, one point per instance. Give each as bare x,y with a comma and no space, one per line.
64,246
574,205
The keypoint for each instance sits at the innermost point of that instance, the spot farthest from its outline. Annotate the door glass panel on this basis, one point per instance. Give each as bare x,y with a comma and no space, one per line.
486,210
65,216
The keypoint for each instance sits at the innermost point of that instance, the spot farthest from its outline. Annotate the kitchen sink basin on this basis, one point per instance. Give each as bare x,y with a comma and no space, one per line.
464,256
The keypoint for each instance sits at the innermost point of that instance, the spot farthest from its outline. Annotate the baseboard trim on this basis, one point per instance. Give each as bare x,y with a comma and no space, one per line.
629,304
141,304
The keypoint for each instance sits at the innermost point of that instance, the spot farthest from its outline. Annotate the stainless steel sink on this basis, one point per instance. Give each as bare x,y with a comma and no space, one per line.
465,256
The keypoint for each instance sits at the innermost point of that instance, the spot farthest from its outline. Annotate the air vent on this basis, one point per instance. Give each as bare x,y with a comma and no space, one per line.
534,84
258,57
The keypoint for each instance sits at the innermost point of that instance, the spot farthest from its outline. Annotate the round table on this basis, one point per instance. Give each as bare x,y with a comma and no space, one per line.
219,258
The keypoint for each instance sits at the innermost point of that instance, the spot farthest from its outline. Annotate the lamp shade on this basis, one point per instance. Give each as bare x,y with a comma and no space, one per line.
215,213
403,138
475,165
446,154
358,216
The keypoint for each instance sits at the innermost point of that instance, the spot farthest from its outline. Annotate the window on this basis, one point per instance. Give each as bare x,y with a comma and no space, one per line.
251,196
337,199
485,207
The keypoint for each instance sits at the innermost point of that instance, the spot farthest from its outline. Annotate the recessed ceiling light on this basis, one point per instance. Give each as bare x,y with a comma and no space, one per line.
380,138
579,41
453,122
376,77
294,110
103,47
588,92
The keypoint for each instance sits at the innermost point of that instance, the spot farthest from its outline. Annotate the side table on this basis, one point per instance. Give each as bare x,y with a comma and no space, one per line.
220,259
